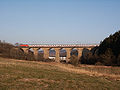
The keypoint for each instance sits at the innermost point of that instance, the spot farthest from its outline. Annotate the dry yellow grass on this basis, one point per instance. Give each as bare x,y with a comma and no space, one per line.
80,69
20,74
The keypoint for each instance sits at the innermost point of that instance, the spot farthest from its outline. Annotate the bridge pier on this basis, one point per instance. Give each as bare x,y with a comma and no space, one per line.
26,50
89,49
68,51
35,52
80,50
57,54
46,53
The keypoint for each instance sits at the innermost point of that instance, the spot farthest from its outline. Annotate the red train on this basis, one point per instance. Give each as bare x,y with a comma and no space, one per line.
24,45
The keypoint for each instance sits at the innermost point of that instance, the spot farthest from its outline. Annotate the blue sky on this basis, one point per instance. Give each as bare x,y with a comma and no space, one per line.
58,21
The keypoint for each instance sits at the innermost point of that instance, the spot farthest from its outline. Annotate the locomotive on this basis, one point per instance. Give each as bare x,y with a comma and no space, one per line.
24,45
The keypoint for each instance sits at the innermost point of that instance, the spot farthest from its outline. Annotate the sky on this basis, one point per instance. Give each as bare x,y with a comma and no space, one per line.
58,21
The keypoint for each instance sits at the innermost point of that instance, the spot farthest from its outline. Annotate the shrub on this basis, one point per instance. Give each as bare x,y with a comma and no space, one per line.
108,58
74,60
89,58
47,60
63,61
98,63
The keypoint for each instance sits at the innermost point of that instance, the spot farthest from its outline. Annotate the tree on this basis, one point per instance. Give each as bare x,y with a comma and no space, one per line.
118,60
112,42
108,58
74,60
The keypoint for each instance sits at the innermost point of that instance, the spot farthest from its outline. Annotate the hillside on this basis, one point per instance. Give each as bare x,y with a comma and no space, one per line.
112,42
20,74
107,53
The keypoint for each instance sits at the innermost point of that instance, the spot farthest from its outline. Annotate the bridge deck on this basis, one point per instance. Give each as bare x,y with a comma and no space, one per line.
59,46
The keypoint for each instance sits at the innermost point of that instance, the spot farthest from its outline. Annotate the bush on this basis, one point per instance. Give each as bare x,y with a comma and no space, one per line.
74,60
89,58
108,58
47,60
98,63
5,49
63,61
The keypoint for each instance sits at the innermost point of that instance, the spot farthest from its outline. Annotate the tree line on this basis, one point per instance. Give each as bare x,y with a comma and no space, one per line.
107,53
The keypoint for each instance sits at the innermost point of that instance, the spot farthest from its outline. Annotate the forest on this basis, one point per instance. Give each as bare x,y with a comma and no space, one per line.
107,53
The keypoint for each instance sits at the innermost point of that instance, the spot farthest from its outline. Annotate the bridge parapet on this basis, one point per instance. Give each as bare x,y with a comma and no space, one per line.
57,46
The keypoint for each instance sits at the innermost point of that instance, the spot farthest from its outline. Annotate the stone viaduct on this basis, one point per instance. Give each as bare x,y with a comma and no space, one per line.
57,49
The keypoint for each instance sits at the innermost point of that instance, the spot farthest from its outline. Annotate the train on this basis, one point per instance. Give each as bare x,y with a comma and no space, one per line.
46,45
24,45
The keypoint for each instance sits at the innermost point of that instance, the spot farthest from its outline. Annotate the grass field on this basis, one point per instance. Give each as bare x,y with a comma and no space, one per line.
31,75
